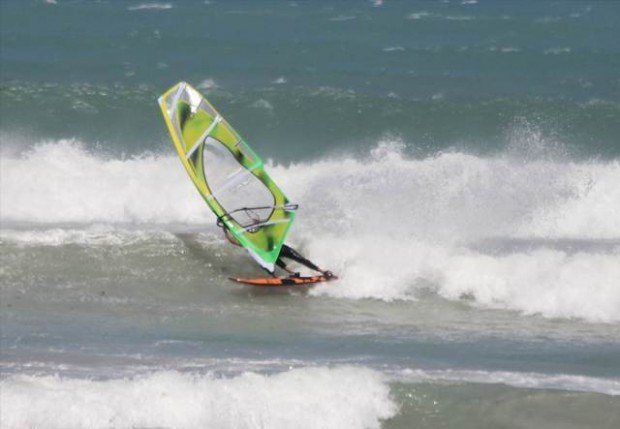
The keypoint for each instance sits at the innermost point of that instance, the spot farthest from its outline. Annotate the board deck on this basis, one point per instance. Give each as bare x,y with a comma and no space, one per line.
282,281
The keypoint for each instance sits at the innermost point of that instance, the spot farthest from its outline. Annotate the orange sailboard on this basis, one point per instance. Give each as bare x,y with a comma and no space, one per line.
283,281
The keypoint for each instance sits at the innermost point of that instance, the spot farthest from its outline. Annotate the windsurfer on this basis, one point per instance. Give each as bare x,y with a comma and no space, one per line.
285,252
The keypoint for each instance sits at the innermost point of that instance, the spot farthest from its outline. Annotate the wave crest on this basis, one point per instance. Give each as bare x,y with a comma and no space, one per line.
536,234
302,398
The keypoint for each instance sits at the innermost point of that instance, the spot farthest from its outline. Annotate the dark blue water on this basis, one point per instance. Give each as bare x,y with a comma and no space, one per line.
328,75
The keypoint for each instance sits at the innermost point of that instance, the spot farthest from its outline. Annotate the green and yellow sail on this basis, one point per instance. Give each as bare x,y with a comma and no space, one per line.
228,174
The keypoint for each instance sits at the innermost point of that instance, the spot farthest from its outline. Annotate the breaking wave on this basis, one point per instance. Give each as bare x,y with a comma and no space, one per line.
534,234
302,398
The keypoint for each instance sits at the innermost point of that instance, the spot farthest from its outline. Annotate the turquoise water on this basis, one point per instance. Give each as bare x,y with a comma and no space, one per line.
329,76
456,164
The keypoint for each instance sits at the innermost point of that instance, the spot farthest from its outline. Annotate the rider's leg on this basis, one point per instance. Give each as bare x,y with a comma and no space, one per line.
280,263
290,253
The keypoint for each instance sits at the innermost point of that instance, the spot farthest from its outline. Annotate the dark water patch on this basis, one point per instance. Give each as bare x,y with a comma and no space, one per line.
297,123
475,406
125,297
301,81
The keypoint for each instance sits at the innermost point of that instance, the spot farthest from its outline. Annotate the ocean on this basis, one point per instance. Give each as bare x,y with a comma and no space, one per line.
456,163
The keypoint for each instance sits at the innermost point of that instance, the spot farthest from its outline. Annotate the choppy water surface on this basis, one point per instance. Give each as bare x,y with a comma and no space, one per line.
456,163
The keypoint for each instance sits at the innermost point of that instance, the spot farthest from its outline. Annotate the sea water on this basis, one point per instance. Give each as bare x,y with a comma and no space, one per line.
456,163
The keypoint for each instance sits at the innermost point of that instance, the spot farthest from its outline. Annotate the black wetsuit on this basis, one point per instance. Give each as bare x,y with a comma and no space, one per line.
290,253
285,252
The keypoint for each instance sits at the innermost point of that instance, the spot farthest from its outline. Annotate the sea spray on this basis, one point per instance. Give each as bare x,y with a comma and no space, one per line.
450,196
391,225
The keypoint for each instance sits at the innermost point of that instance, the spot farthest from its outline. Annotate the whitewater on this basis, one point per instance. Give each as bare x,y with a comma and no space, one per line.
449,246
537,236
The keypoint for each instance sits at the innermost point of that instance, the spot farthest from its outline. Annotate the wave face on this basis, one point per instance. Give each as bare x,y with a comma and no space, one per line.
532,234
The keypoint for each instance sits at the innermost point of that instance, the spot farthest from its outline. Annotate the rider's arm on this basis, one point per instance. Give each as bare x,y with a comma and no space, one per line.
230,238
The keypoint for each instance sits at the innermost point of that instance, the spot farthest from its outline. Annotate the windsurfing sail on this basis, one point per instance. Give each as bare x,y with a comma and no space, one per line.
228,174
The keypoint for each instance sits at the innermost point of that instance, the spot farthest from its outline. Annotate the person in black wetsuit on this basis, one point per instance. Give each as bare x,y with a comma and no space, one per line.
285,252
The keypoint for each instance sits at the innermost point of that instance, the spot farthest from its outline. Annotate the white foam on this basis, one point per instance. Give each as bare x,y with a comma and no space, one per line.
341,18
458,17
393,49
418,15
456,196
509,49
261,103
546,282
151,6
423,15
557,51
398,225
548,19
388,224
208,84
301,398
68,184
